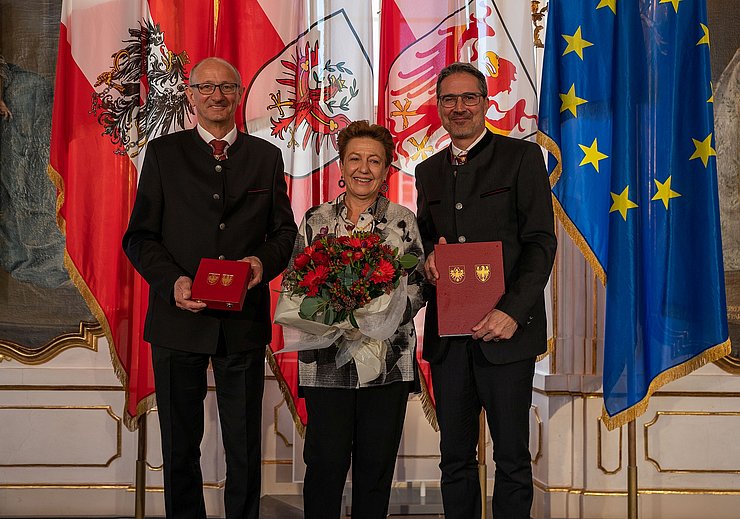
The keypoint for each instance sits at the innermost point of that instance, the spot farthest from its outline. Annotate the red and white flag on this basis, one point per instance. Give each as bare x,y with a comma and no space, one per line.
308,71
416,44
121,69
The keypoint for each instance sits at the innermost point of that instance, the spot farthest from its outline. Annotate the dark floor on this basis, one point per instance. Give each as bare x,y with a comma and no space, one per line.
291,507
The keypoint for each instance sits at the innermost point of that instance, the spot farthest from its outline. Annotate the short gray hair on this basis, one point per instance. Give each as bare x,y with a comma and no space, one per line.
462,68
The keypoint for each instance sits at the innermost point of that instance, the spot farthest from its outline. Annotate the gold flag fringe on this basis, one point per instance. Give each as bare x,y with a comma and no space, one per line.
709,355
131,422
550,349
426,403
285,390
546,142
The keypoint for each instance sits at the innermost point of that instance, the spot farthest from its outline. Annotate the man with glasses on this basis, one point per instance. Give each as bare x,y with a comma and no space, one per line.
486,187
209,192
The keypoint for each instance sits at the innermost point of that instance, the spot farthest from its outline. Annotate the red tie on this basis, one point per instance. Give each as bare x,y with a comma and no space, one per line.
219,149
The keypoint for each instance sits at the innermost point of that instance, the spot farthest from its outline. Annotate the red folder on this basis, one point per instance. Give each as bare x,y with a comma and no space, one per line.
470,284
221,284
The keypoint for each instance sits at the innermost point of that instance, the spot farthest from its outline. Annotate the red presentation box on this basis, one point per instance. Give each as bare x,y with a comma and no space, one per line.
471,281
221,284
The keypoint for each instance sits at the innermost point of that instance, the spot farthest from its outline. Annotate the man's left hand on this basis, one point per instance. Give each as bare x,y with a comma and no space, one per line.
495,326
257,270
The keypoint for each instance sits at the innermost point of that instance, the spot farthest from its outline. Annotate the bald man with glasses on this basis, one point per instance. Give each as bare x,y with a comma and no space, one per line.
210,192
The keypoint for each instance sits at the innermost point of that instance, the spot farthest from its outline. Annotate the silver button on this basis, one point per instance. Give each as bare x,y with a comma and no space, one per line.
216,196
461,239
458,206
222,257
218,168
222,226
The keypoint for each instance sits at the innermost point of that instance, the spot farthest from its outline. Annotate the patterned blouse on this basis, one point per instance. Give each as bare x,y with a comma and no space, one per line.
317,368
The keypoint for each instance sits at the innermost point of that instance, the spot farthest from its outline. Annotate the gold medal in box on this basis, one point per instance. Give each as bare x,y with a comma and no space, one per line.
221,284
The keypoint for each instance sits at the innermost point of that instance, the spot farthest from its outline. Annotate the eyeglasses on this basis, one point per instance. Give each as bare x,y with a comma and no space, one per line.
468,98
209,88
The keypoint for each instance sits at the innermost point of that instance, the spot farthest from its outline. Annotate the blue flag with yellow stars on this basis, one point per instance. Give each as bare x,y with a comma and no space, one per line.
626,114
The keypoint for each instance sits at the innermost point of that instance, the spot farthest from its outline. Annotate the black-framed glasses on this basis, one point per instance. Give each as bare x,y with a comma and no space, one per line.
468,99
209,88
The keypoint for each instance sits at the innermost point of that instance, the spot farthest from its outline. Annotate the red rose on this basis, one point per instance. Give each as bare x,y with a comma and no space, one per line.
301,261
347,257
357,255
320,258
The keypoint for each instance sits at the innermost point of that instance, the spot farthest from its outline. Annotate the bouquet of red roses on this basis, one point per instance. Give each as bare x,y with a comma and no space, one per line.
348,291
338,275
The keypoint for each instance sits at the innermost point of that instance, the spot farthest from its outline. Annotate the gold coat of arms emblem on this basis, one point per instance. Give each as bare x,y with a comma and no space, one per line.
213,278
457,273
227,279
483,272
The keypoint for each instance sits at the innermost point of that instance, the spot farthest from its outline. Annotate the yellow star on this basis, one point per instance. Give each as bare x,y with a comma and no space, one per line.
570,101
711,98
592,155
704,39
622,203
665,192
703,150
674,2
576,43
611,4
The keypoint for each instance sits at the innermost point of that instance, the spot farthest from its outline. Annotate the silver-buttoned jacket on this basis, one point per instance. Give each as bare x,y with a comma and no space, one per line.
501,193
191,206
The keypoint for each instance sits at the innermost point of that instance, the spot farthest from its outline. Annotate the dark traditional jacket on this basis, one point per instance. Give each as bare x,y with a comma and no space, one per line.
190,206
502,194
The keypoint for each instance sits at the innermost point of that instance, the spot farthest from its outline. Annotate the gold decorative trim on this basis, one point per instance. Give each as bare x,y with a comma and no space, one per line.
550,349
662,394
655,419
285,390
107,408
539,452
642,491
427,405
146,403
277,462
419,456
730,364
538,21
716,352
599,459
552,342
546,142
279,434
86,337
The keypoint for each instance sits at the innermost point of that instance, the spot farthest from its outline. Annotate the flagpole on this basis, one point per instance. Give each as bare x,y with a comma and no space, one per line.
141,470
482,470
631,471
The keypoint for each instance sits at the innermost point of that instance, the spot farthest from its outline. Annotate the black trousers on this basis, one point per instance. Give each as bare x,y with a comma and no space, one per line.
180,382
463,383
362,425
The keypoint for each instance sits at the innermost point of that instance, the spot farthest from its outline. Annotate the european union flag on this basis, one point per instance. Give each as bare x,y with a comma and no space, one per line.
626,113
